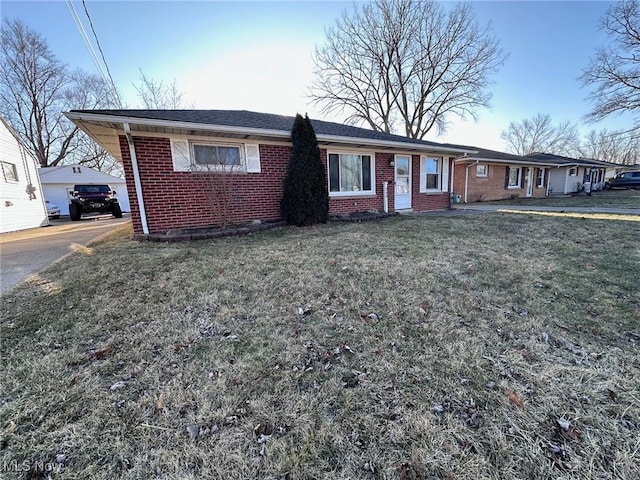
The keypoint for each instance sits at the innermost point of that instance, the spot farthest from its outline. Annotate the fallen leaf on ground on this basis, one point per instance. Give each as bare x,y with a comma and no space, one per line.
514,397
567,430
10,428
101,353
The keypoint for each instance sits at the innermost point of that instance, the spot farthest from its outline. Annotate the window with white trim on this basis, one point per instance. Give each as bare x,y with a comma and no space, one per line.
351,174
216,156
514,177
10,172
540,178
482,170
573,172
430,174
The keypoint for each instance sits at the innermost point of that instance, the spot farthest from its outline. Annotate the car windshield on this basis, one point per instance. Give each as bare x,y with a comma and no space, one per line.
93,189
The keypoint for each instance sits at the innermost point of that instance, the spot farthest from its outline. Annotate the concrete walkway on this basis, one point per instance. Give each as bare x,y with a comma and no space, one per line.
488,207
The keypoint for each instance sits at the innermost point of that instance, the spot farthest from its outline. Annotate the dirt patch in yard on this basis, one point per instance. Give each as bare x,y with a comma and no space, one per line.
493,346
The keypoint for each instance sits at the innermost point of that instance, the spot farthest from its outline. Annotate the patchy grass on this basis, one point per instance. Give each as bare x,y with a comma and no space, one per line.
488,346
604,198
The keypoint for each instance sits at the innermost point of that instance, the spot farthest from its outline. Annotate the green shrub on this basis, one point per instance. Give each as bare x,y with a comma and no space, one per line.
305,199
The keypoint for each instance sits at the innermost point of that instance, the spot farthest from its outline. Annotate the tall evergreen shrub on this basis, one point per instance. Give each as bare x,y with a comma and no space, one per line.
305,200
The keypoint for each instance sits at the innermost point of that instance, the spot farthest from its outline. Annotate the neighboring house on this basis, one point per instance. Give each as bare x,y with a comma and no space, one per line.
572,173
57,183
21,200
491,175
174,160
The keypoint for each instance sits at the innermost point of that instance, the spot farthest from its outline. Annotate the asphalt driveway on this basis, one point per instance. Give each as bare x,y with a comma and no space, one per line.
27,252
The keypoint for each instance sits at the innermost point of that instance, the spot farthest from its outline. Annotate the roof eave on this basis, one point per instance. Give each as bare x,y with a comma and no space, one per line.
79,117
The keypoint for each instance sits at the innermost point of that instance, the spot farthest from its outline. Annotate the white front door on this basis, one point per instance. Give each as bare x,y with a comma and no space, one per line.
529,180
402,182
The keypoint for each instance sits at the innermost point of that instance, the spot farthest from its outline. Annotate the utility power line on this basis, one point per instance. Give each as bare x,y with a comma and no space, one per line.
104,60
103,71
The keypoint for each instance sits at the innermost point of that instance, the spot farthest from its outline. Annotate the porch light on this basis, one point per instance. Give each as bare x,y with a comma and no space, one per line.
392,162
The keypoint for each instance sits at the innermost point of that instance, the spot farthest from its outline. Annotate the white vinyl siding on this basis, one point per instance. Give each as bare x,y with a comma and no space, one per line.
21,200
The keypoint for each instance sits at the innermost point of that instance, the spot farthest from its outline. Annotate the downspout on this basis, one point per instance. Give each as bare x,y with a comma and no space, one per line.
452,167
136,178
385,196
466,179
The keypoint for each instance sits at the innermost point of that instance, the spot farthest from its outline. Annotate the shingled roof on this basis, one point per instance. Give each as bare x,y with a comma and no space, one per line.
503,157
264,121
562,160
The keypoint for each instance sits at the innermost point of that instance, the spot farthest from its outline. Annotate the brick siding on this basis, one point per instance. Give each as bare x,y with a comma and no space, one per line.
482,189
422,202
200,199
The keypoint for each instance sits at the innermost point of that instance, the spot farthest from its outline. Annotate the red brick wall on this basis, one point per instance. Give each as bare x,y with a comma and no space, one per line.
482,189
421,202
383,173
187,199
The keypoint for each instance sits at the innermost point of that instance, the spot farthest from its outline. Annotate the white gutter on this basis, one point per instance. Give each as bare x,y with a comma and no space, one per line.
136,178
96,117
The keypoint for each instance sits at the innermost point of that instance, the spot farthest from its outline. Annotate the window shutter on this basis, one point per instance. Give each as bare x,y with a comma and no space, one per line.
181,156
445,174
506,177
522,174
252,152
423,174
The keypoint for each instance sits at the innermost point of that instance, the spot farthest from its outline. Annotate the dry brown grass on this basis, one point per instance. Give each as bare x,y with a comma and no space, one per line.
413,348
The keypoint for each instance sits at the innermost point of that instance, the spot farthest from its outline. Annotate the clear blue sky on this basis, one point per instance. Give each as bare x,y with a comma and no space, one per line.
257,55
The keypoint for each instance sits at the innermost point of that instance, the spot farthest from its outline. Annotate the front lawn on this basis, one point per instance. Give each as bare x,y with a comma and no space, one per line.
604,198
467,347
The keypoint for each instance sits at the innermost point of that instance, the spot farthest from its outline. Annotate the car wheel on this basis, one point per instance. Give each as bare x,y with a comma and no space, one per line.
117,211
74,212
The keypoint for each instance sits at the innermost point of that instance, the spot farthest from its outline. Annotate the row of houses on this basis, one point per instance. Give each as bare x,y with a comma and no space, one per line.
176,178
491,175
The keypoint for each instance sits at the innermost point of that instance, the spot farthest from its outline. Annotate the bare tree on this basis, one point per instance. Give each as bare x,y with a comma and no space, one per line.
538,134
158,95
615,147
36,87
405,65
614,70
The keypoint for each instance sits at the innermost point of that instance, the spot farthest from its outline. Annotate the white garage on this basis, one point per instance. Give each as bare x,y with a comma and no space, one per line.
57,182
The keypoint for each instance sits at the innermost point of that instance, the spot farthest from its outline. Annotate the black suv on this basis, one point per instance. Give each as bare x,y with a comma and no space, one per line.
93,198
625,180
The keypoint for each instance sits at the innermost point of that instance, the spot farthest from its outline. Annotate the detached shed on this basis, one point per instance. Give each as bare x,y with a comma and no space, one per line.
21,200
58,181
